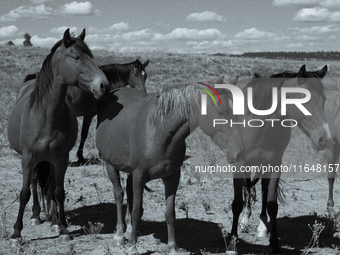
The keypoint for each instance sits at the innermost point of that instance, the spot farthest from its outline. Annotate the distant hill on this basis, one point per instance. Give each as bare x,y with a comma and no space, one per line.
318,55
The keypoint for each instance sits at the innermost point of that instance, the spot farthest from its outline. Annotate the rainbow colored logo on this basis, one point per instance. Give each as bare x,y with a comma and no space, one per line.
213,90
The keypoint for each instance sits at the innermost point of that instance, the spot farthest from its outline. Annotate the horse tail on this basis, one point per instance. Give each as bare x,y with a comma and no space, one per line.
43,172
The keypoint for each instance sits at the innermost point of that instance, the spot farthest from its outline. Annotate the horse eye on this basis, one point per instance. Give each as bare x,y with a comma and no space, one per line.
76,57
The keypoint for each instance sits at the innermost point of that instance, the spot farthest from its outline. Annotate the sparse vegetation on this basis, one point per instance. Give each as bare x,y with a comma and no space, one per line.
89,191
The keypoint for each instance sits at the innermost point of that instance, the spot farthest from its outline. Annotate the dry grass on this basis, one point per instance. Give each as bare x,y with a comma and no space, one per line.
196,195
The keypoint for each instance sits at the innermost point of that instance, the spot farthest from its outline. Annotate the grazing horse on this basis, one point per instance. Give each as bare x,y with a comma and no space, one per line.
266,144
43,127
144,135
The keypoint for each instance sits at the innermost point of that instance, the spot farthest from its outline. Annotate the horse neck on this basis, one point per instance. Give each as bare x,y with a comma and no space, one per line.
48,94
118,75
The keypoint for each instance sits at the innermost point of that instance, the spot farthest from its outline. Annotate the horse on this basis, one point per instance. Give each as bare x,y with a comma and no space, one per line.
144,135
43,127
85,104
265,145
290,74
119,75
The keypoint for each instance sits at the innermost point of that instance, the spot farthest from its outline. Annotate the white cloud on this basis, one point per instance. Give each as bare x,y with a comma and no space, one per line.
253,33
36,12
312,14
81,8
335,17
8,31
61,30
120,26
143,34
205,16
330,3
193,34
38,1
295,45
44,42
317,29
296,2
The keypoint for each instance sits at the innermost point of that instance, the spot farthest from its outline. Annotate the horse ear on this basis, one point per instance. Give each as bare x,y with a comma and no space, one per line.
302,72
219,80
233,81
322,72
67,38
146,63
82,35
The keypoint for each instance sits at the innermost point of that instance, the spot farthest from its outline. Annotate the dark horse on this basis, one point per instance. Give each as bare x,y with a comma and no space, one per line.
43,127
144,135
85,104
266,144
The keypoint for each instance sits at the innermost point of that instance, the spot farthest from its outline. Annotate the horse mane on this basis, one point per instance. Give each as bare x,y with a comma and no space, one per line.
44,78
182,99
174,100
116,72
119,72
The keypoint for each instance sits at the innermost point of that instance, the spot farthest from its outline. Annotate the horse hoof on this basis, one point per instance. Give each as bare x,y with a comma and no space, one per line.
55,229
14,242
118,240
231,252
65,238
133,250
35,221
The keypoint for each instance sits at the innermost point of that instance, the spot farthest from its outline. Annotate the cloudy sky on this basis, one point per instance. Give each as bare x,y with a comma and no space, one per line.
228,26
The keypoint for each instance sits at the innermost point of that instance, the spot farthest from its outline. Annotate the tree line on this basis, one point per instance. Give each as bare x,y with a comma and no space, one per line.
296,55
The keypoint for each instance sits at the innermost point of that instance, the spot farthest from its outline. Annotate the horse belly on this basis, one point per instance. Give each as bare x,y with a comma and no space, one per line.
113,144
14,126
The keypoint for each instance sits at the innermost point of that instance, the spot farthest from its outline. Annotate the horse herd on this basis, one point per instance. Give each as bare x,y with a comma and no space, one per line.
144,135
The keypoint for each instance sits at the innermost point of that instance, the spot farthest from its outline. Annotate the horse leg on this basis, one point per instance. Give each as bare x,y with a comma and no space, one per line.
332,157
87,119
35,219
114,176
59,193
51,201
247,205
272,208
129,194
24,196
237,207
262,230
171,185
138,183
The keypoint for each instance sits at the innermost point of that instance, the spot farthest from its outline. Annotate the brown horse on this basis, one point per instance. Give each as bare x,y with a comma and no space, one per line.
266,144
43,127
144,135
85,104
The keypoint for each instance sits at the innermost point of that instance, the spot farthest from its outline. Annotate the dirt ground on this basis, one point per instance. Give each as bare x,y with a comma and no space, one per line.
89,198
